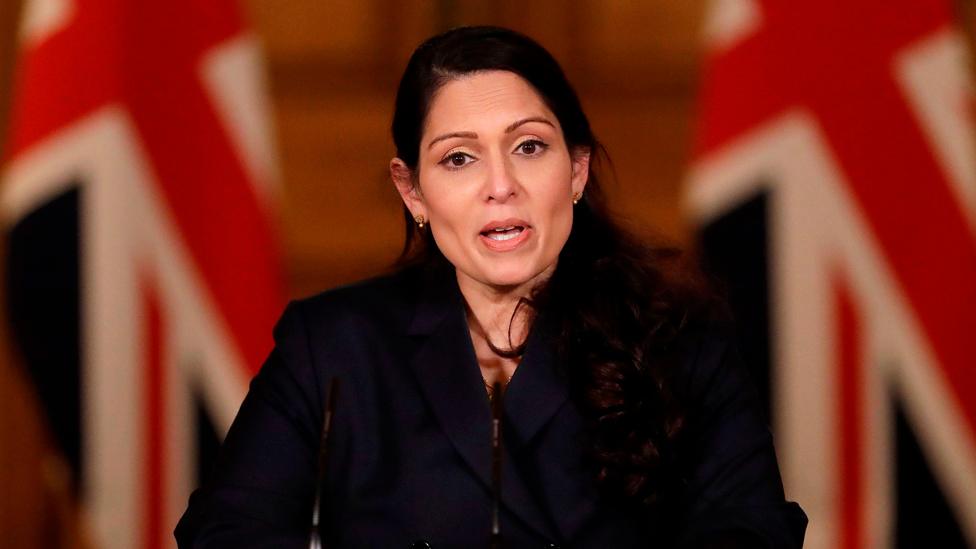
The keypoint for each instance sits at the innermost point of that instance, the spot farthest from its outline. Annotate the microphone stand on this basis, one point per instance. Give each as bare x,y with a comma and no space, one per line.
315,534
495,537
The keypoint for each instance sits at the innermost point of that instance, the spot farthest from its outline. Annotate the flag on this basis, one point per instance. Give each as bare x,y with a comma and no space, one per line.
834,183
143,276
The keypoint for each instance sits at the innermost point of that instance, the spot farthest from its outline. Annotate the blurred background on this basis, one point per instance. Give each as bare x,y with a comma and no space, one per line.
173,174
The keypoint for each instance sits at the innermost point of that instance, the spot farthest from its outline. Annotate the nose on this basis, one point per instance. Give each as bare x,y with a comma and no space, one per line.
502,184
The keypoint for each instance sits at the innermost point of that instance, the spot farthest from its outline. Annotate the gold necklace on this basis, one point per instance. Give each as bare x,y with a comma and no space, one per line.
491,390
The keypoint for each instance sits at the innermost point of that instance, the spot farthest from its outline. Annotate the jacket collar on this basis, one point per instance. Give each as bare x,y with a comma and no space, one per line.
447,369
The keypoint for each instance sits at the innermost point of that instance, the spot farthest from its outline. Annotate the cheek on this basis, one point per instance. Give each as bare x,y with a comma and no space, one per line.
446,214
562,224
560,205
443,209
556,194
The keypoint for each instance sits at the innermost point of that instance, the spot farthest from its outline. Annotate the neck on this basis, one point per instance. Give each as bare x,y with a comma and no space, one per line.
491,310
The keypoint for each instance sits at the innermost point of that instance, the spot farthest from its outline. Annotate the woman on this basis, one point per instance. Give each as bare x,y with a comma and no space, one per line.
627,420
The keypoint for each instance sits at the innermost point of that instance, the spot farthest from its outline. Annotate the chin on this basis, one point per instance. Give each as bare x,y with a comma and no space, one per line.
516,275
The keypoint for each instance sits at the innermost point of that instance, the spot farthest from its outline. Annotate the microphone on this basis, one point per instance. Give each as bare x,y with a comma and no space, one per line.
495,537
315,534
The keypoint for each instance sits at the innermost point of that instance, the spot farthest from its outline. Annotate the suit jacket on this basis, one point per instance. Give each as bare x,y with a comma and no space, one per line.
410,458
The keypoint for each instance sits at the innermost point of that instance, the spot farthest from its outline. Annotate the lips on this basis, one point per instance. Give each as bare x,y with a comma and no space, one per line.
505,235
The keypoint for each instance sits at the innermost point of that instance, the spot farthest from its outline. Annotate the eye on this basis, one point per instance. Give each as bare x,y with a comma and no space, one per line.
531,147
456,160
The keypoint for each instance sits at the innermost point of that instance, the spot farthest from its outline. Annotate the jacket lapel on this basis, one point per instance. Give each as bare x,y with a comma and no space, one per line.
447,369
536,402
537,390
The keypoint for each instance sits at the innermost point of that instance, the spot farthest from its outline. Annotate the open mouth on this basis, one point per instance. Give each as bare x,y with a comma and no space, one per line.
503,233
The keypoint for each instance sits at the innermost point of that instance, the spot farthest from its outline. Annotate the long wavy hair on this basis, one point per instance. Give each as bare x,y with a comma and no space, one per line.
617,304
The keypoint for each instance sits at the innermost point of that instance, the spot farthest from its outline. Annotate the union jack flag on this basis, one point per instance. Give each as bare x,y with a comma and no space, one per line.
837,142
143,272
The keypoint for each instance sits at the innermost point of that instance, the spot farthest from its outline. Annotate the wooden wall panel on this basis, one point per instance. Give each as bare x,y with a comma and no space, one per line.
553,23
341,215
648,145
640,35
336,31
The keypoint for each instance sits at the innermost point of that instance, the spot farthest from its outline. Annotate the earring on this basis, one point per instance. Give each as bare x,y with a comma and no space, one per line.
419,219
577,196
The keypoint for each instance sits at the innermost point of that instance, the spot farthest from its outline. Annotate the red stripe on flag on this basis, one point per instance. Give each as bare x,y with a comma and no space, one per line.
802,50
850,373
222,220
906,197
65,77
155,425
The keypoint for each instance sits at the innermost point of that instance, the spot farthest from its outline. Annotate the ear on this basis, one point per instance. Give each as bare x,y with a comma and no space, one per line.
408,187
581,168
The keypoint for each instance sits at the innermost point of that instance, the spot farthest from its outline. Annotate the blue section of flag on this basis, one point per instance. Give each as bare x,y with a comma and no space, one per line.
43,303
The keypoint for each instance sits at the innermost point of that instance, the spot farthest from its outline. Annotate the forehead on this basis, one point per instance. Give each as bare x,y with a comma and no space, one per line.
484,99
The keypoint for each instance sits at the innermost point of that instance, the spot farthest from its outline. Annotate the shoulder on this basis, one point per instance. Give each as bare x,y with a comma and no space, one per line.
713,385
347,326
711,373
732,477
353,333
384,302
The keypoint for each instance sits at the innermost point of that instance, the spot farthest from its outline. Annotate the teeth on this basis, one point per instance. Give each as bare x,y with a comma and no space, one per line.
504,233
504,236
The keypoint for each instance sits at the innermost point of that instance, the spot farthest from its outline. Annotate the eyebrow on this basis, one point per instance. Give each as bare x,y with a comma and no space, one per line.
466,135
509,129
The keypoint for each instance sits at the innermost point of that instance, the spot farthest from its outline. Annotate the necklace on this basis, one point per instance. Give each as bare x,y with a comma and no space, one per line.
491,390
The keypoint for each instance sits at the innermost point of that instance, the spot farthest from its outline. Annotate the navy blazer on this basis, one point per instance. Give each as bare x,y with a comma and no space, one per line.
411,460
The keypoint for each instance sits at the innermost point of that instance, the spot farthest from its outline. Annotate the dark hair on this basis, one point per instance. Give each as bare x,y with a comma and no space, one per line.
614,302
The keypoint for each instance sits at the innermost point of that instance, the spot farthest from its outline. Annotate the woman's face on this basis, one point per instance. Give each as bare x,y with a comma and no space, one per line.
496,180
